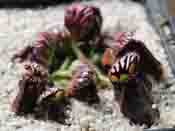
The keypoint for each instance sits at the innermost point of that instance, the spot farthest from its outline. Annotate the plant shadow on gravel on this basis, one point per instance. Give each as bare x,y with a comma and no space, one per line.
57,112
54,111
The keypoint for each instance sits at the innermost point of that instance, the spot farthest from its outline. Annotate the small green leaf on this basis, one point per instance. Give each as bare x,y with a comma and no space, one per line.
124,77
65,64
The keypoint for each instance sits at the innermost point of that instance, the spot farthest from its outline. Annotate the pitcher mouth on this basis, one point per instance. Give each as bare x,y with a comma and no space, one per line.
126,78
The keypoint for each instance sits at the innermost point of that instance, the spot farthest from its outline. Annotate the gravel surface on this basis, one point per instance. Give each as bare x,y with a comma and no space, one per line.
18,28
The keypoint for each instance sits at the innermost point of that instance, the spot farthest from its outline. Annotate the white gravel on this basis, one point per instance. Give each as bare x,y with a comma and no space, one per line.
18,27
